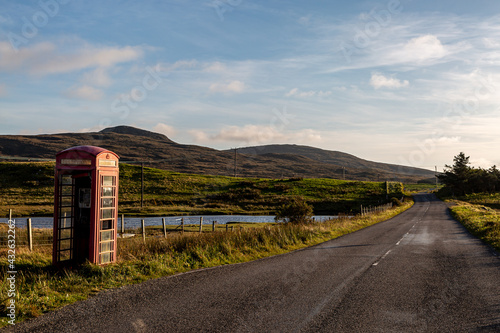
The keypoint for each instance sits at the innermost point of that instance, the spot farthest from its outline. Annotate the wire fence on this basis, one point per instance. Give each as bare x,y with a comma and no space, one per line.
375,209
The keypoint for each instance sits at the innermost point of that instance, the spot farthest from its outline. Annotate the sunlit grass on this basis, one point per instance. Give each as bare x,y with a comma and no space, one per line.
483,222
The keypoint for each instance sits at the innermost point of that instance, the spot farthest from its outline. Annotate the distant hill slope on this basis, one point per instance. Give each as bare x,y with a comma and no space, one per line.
157,150
334,157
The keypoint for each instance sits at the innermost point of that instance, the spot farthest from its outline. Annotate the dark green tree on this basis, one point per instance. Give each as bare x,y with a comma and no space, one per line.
494,179
457,176
462,179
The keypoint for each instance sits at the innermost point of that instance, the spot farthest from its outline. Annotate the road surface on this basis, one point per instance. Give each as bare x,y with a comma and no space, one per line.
418,272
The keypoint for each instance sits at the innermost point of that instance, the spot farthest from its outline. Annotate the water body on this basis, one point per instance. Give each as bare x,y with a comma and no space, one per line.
135,222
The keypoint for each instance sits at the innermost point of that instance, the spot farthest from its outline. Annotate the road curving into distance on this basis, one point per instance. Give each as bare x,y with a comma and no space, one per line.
418,272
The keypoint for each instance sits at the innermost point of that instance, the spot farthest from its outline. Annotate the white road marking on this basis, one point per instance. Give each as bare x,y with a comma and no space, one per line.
383,257
399,241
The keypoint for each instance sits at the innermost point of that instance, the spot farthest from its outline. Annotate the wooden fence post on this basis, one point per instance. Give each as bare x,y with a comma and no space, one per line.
164,227
143,231
213,225
30,235
10,214
123,224
201,224
227,227
182,224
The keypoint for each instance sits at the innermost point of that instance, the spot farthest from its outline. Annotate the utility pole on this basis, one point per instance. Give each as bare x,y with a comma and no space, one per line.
142,184
435,175
343,173
235,154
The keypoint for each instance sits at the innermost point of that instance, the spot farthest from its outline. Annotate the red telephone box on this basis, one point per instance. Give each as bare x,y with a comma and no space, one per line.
85,206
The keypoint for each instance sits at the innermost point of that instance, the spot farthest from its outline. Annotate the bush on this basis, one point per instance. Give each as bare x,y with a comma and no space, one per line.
396,202
297,210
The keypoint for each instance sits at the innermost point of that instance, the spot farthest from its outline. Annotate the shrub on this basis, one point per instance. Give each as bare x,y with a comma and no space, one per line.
296,210
396,202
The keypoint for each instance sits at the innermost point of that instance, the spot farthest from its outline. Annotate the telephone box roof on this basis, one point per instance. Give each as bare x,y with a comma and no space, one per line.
92,150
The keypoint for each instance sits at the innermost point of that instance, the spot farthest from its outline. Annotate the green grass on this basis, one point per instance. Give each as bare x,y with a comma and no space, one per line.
491,200
481,221
424,187
42,288
479,213
27,188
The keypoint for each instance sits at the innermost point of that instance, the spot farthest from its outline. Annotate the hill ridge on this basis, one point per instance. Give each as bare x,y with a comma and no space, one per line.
268,161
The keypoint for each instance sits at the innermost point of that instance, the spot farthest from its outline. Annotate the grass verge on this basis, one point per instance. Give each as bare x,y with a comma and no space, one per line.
42,288
481,221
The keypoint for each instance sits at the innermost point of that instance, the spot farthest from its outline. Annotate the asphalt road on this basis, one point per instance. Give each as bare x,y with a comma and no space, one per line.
418,272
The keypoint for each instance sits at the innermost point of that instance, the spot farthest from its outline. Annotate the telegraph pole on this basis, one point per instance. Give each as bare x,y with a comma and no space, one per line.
435,175
142,184
235,154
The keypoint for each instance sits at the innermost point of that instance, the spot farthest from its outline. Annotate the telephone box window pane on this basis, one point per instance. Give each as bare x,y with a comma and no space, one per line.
66,190
105,258
106,225
108,180
106,247
66,201
65,223
107,203
65,244
66,180
107,214
107,191
65,255
66,212
106,235
65,233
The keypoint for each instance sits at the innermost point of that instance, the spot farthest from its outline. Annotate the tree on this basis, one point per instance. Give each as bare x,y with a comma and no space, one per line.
457,177
494,178
462,179
297,210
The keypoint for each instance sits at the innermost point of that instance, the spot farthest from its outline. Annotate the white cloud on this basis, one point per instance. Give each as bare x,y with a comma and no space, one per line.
481,162
215,67
444,140
98,77
297,93
46,58
305,20
85,92
165,129
181,64
424,48
490,43
199,136
232,87
256,134
381,81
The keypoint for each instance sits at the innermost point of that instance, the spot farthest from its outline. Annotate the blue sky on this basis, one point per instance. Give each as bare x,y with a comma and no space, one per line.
399,81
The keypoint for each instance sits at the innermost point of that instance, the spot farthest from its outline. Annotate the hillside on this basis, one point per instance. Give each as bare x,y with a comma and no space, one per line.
28,189
157,150
333,157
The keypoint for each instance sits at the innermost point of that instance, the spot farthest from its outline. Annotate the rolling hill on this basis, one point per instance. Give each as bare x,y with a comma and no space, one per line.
135,145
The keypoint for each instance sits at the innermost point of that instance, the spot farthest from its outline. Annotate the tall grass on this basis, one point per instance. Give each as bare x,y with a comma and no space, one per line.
42,288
